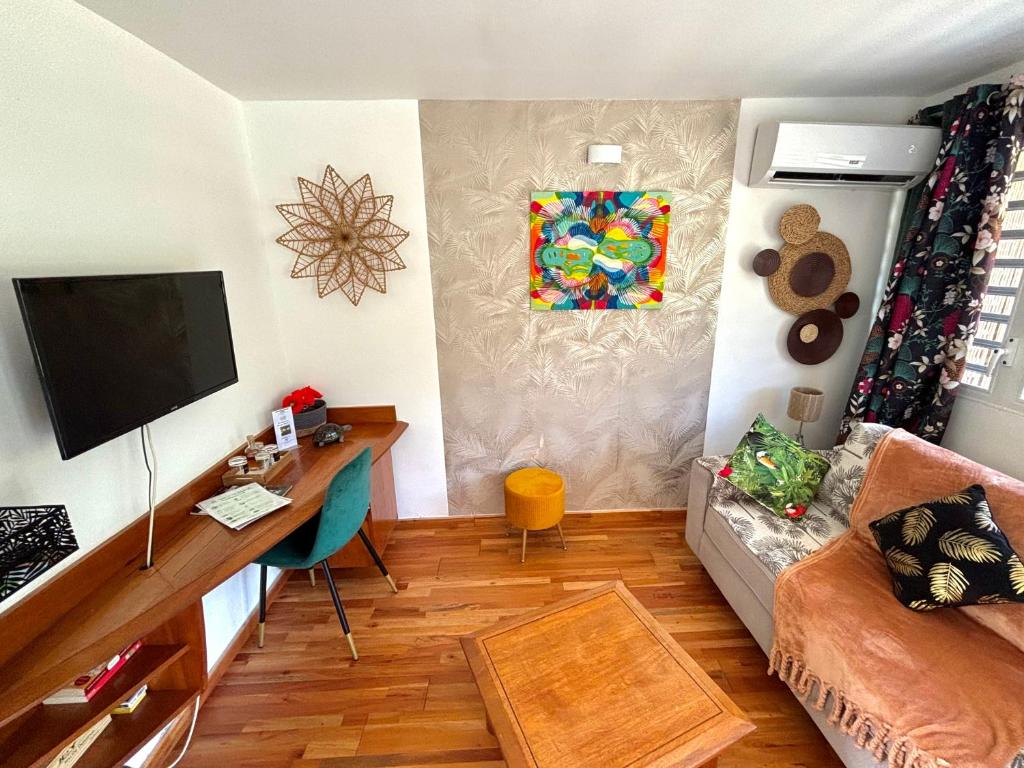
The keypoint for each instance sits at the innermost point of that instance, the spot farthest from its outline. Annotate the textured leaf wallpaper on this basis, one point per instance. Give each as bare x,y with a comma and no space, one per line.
613,400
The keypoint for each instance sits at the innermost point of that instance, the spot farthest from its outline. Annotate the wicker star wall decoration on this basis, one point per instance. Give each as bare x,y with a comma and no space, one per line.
343,236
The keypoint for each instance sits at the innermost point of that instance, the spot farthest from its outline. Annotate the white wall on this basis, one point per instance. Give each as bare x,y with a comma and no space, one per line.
382,351
999,76
116,159
980,429
987,433
752,370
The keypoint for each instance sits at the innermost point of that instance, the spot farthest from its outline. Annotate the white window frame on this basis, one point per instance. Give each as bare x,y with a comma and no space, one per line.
1007,382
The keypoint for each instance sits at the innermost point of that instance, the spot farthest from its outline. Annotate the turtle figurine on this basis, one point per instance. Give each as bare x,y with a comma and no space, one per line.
807,277
330,433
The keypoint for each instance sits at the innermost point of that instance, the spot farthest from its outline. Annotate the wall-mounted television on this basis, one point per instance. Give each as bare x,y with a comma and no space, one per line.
115,352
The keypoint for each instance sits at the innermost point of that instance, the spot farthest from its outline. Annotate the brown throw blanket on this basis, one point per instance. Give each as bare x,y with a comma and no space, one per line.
919,690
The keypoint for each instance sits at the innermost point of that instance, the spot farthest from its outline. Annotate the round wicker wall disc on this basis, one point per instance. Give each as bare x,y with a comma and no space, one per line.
799,224
809,333
815,337
781,288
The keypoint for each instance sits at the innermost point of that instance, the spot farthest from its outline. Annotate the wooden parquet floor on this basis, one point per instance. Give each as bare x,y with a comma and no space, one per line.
410,700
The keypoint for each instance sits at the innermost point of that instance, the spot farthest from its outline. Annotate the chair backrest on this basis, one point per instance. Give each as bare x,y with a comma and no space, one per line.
345,504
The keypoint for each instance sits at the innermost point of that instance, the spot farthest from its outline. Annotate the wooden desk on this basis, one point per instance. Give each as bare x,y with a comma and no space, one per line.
105,601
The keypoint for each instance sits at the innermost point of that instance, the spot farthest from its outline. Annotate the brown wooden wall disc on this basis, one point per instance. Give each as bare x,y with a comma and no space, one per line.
766,262
815,336
847,305
781,289
799,223
812,274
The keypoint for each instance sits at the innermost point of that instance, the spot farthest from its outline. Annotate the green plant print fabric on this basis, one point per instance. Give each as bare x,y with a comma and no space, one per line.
775,470
916,351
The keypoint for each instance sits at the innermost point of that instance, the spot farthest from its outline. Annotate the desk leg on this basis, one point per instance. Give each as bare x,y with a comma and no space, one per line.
380,520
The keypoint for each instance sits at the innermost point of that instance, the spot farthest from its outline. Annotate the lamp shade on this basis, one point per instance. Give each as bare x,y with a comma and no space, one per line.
805,404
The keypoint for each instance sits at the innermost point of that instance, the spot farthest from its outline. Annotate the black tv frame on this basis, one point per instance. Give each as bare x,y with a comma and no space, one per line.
65,453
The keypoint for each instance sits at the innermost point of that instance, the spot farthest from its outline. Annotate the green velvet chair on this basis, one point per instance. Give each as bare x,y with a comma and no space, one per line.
338,521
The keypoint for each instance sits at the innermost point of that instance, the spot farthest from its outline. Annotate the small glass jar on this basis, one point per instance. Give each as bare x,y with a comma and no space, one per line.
264,459
241,463
274,451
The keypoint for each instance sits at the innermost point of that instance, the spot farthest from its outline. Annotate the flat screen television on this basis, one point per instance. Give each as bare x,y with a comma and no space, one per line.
117,352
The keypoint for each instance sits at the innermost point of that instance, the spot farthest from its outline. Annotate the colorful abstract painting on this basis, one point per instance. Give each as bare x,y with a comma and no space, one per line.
598,250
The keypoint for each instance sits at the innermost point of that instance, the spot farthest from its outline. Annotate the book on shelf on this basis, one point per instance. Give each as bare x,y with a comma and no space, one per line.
73,752
130,704
88,685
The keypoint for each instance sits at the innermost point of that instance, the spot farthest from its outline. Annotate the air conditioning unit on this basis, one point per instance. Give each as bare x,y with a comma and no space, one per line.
790,154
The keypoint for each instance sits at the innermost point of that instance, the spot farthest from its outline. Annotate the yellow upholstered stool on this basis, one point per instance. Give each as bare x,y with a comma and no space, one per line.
534,500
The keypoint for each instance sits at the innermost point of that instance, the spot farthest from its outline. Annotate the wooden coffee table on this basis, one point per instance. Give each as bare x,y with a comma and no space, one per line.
594,681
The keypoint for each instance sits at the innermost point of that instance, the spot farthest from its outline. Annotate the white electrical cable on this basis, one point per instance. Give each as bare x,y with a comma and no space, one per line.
145,434
151,467
188,739
152,454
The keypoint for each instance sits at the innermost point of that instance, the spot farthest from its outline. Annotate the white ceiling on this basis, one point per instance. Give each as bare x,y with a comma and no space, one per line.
527,49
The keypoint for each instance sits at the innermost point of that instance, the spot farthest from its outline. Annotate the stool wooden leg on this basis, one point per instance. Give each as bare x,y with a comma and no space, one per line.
339,609
561,535
523,558
312,577
263,606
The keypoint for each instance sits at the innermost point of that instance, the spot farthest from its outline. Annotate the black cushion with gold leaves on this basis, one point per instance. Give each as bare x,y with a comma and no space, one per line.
949,552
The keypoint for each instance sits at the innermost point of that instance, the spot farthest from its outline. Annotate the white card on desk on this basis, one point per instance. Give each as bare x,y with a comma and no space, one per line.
284,429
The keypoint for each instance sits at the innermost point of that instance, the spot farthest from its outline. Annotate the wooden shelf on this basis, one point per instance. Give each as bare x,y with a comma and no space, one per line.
126,733
92,610
50,728
106,601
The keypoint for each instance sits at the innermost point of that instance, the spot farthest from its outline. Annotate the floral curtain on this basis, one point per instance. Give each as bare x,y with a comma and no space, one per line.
917,348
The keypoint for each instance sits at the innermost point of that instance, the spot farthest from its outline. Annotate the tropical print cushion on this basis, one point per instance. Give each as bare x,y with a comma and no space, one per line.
780,543
775,470
776,543
949,552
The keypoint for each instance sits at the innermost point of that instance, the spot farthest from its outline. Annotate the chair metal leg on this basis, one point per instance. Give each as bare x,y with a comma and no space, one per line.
561,535
261,627
312,577
340,610
523,558
376,558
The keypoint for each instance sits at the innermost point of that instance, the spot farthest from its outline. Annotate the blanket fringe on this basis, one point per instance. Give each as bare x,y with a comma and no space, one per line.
868,731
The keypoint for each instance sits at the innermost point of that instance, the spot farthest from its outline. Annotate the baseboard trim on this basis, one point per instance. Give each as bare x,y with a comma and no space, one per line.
626,510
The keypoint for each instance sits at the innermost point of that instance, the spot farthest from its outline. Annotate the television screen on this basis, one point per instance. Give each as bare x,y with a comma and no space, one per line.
116,352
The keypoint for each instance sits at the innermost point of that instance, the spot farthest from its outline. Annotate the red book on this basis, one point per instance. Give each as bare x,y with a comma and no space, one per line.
93,687
88,685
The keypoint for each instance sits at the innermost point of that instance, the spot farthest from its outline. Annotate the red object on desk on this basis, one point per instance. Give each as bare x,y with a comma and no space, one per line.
301,399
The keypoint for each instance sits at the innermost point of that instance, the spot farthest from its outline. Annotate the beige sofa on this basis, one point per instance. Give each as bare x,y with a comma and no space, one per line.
744,547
